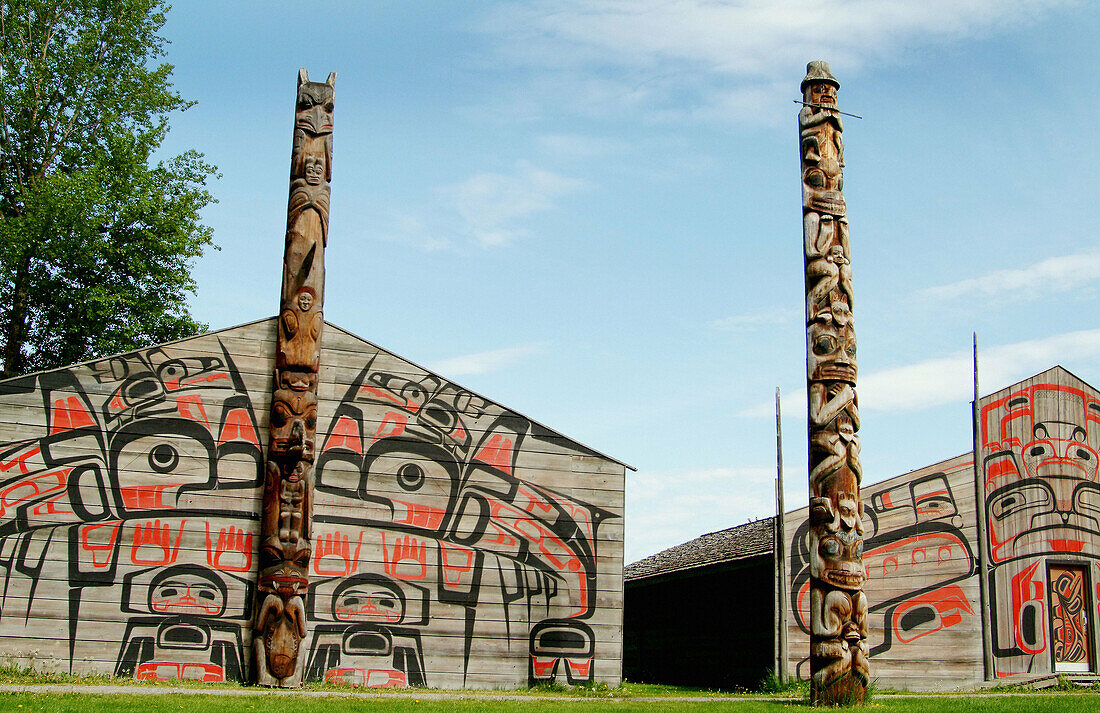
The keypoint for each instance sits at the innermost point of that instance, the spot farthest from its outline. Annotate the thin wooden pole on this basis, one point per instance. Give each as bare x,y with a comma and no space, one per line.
779,552
983,536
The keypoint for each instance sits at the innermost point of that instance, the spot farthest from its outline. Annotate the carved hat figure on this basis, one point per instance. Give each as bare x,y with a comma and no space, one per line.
818,72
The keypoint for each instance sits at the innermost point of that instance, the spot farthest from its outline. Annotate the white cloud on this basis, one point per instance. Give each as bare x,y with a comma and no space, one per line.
577,146
493,204
484,362
748,322
666,508
713,56
949,379
1056,274
409,230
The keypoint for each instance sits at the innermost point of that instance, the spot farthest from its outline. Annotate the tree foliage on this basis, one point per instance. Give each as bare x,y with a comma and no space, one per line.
96,237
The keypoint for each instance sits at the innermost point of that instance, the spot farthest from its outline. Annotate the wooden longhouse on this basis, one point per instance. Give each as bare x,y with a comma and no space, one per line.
455,543
1037,446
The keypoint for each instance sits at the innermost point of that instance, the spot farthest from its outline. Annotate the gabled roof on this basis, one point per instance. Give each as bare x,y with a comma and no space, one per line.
17,383
734,543
1057,374
330,325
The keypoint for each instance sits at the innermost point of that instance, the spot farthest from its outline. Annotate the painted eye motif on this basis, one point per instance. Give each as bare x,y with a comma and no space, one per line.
171,371
410,477
825,344
815,179
163,458
830,548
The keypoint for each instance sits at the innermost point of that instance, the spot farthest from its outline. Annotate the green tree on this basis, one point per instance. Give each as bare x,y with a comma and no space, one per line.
96,238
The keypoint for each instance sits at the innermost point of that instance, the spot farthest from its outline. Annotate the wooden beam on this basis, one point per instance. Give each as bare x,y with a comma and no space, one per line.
779,552
989,667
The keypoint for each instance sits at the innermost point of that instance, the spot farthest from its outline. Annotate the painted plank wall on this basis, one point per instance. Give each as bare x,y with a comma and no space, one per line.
456,543
922,588
1039,446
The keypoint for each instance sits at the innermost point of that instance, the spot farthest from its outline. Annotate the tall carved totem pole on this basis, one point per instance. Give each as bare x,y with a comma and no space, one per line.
279,629
838,606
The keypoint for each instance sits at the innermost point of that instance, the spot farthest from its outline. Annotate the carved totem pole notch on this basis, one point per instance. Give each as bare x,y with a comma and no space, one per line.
838,607
280,627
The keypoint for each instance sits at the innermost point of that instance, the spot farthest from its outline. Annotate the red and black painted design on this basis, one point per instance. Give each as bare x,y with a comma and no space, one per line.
138,501
1039,446
1069,616
435,535
914,535
437,479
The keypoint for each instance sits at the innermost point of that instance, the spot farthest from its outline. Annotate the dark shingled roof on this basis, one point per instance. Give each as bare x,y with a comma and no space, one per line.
748,540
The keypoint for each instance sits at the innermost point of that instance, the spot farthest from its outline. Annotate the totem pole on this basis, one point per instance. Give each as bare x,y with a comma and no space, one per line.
279,629
838,606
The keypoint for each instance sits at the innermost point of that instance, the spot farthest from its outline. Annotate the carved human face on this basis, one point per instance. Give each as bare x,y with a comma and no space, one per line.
295,380
841,508
315,169
832,352
293,422
821,93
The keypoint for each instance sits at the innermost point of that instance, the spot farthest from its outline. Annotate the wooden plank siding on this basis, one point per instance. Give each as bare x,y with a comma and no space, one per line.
1039,443
456,543
922,588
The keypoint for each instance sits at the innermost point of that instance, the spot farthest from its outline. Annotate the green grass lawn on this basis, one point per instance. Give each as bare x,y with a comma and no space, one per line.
171,703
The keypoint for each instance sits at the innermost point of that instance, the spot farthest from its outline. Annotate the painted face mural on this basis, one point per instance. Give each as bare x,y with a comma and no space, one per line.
1041,471
114,499
139,495
438,477
1042,499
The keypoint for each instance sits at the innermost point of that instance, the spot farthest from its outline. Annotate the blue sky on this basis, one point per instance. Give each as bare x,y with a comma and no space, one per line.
590,212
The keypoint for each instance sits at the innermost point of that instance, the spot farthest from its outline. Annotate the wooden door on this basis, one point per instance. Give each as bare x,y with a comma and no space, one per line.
1069,620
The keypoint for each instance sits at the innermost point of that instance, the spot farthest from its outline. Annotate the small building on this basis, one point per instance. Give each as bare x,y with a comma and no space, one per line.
456,543
1038,445
685,605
